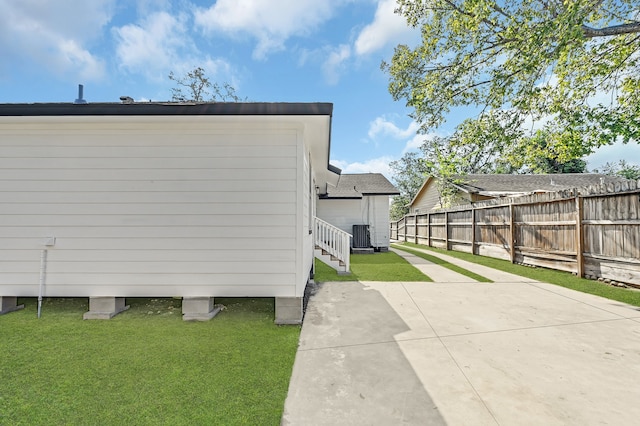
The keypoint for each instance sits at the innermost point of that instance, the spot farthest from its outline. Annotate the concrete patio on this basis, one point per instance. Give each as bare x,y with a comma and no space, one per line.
513,352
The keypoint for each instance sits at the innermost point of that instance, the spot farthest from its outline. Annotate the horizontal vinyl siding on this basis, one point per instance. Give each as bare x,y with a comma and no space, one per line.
428,200
190,255
370,210
379,213
154,209
342,214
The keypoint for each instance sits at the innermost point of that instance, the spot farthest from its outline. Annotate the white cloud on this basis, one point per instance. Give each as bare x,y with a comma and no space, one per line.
56,35
153,45
381,126
271,23
374,165
335,63
159,44
416,142
72,56
387,28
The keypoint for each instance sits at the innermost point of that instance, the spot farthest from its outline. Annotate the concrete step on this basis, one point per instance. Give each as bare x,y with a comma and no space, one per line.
332,261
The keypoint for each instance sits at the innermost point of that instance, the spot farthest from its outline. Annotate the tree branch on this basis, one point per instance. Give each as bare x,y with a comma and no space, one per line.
630,28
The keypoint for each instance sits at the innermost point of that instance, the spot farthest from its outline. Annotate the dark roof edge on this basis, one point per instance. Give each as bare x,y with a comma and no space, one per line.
336,197
167,108
334,169
381,193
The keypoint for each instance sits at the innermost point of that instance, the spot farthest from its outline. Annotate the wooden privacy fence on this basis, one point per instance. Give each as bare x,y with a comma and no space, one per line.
592,232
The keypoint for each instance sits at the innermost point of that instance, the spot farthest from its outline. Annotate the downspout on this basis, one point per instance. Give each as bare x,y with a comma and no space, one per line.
312,215
43,272
49,242
373,221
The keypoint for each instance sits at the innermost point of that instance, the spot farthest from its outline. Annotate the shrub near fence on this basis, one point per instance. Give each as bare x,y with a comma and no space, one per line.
592,232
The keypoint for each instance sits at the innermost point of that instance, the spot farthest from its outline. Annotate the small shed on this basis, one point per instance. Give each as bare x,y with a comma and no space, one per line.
359,205
192,200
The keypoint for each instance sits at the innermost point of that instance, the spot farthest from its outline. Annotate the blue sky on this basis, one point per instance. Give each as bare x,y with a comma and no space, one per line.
269,50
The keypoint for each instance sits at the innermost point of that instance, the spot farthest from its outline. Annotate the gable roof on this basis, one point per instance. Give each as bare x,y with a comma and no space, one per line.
499,185
503,185
355,186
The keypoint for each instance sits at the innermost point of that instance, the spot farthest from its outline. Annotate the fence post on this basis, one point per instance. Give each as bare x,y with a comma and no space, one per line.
579,236
446,230
405,228
473,230
429,229
415,229
512,241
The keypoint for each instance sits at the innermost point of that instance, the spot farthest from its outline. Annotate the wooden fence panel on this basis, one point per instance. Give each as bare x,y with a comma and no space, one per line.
594,230
460,228
423,229
493,226
438,230
546,234
409,229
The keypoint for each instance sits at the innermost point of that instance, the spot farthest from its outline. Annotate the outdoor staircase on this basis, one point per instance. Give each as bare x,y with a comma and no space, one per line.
332,246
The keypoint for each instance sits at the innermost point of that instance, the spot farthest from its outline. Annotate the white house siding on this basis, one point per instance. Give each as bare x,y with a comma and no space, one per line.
370,210
427,200
342,214
307,214
378,207
155,206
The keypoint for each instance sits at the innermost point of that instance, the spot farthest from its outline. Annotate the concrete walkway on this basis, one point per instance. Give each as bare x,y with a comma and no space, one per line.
493,274
436,272
465,353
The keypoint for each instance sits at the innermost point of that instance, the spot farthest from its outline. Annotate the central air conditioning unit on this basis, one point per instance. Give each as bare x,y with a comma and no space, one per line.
361,237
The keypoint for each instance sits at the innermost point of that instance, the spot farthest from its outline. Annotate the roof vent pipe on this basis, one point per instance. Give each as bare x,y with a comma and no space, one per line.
80,100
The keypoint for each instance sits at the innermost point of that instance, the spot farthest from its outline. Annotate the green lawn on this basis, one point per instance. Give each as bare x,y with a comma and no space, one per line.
560,278
145,366
386,266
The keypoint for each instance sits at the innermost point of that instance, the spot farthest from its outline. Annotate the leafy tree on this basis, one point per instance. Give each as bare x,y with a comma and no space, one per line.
483,145
476,147
488,144
492,144
621,169
536,59
538,155
195,86
410,171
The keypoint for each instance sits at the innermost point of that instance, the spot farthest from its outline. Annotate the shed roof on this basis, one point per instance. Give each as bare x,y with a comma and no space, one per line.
358,185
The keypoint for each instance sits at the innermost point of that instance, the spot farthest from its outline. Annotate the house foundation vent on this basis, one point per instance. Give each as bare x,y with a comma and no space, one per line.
361,236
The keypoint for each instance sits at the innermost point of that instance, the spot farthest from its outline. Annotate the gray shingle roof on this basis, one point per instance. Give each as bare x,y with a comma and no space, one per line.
510,184
357,185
